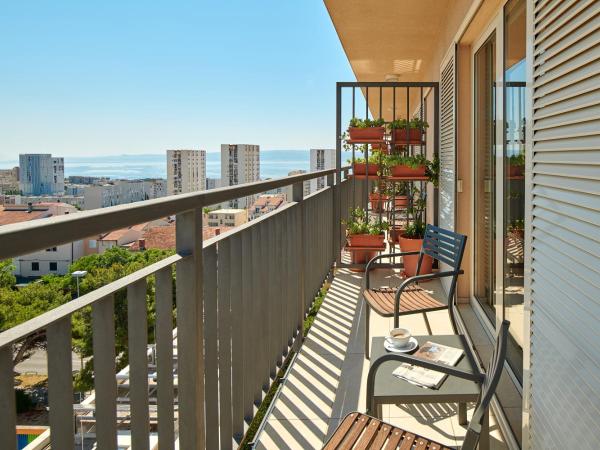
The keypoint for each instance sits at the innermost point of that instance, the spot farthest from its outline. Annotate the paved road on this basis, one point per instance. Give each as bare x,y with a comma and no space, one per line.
37,363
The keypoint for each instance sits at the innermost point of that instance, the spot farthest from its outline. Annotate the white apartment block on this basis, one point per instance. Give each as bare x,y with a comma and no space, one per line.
121,192
229,217
240,163
186,171
41,174
321,159
54,260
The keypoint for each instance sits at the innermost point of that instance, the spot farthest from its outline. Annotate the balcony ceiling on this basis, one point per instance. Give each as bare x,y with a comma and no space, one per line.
403,38
382,37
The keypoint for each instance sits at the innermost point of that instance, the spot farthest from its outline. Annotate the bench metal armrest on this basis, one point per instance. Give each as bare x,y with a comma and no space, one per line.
448,370
388,255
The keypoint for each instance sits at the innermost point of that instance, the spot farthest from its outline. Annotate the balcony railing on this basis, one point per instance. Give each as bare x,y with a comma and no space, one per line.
241,298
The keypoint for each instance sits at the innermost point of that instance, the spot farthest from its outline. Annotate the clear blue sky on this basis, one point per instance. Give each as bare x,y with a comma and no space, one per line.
113,77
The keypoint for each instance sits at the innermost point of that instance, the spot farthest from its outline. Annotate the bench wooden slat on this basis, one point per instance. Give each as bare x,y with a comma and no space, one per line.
362,432
382,436
368,435
355,431
341,431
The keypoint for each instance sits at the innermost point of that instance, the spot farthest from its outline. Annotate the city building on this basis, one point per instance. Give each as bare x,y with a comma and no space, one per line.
321,159
41,174
53,260
227,217
213,183
122,237
240,163
120,192
9,181
186,171
83,179
288,190
78,201
264,204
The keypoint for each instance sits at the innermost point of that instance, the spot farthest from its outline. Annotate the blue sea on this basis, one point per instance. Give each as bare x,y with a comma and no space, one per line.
273,164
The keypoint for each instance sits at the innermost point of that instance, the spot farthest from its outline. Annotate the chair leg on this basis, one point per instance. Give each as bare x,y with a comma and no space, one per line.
484,438
427,323
462,414
367,320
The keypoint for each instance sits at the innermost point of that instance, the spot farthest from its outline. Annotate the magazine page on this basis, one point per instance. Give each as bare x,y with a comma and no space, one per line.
434,352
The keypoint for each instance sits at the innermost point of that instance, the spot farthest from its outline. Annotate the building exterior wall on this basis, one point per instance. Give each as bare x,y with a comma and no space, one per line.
63,256
186,171
122,192
41,174
321,159
564,225
9,181
227,217
240,163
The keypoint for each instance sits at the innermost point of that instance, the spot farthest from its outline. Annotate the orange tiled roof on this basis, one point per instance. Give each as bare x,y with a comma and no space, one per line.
10,215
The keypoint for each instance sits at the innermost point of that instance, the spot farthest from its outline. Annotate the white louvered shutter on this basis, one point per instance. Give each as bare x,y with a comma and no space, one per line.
565,224
447,151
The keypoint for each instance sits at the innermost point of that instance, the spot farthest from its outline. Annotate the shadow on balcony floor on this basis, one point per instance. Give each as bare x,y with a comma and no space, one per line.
328,378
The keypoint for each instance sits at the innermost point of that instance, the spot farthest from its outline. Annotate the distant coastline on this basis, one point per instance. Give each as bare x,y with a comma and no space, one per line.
274,163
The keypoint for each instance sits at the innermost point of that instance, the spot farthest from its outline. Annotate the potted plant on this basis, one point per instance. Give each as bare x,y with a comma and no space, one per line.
433,171
364,232
378,197
412,238
516,165
516,227
359,165
407,166
408,131
366,129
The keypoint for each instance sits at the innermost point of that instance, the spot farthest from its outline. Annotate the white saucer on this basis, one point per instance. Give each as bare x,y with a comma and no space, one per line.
412,344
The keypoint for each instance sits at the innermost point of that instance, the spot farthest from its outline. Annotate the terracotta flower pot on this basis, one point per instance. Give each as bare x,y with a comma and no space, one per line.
366,134
415,136
401,201
406,171
395,233
377,201
383,148
515,171
361,169
361,257
411,261
366,240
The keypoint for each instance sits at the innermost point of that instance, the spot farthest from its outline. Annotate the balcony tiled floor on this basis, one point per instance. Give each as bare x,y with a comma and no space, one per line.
328,378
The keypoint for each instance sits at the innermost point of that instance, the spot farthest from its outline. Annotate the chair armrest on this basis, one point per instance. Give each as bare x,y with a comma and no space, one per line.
448,370
388,255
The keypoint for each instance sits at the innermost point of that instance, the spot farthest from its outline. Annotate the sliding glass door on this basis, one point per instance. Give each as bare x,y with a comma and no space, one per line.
499,137
514,178
484,62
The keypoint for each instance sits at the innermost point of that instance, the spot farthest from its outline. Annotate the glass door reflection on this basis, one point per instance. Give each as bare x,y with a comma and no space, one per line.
485,168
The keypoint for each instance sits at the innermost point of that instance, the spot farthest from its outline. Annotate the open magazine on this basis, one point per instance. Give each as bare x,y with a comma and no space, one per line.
426,377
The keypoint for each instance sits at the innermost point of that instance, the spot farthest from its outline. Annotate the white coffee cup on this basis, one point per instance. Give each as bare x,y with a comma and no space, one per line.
399,337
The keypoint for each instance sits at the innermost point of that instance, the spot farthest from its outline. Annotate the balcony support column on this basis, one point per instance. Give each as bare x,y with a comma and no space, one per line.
300,249
190,329
8,418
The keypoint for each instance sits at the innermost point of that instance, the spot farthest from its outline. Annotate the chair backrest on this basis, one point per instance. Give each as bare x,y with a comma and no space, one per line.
488,387
444,245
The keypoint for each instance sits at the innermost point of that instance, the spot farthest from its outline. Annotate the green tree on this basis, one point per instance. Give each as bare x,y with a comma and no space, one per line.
18,306
7,279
